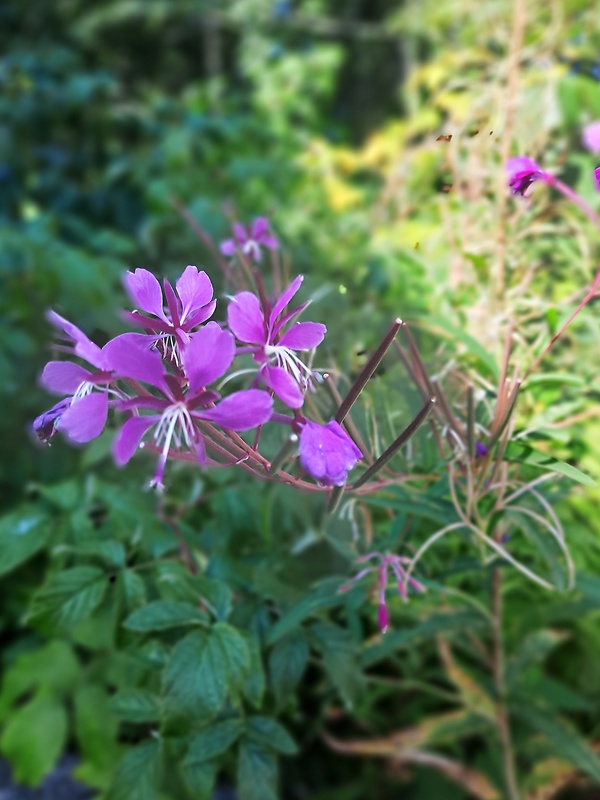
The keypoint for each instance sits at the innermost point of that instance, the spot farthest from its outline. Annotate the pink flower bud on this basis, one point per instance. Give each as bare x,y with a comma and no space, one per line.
383,617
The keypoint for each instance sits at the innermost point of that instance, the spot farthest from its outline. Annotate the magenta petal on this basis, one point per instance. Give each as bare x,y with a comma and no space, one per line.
304,336
327,452
597,178
240,233
200,316
130,436
194,289
245,318
269,241
591,137
284,386
259,228
241,410
145,292
130,356
228,247
44,426
208,356
85,419
285,298
63,377
83,347
519,164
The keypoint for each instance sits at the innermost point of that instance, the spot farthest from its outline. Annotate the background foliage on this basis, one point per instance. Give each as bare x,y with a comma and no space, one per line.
325,115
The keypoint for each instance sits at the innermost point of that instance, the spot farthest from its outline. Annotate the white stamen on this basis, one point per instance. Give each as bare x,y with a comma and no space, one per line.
288,360
175,425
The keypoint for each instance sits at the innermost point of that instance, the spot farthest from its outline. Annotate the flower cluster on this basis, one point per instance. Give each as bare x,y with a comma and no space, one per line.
402,578
162,381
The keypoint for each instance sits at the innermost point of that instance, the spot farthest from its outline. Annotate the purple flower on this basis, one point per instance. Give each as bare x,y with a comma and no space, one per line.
281,369
327,452
597,178
189,305
174,414
590,137
403,582
82,416
249,240
522,172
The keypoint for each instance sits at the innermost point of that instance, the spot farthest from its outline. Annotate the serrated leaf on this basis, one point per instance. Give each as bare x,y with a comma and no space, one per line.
257,772
135,705
325,595
199,777
287,663
270,733
565,740
34,738
161,615
96,732
110,551
132,589
54,667
22,534
254,684
216,594
137,774
70,596
213,741
203,669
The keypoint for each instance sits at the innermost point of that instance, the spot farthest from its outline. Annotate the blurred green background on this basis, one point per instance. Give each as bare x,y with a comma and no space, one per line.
372,133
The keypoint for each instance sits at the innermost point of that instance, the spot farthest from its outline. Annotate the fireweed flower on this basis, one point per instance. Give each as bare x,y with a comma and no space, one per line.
249,240
597,178
174,414
327,453
590,137
522,172
82,415
187,307
386,562
281,368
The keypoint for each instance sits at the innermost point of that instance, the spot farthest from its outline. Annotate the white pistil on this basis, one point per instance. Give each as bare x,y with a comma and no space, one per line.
288,360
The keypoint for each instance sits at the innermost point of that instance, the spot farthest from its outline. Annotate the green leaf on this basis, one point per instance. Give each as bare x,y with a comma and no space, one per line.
519,453
325,595
270,733
213,741
287,663
34,737
135,705
340,660
22,534
199,778
132,589
254,683
53,667
533,649
96,731
424,506
137,775
473,346
565,741
70,596
456,622
110,551
163,614
257,772
216,594
203,669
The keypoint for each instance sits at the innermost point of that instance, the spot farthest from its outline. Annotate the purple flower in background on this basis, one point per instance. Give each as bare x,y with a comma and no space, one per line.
403,582
281,369
173,415
249,240
189,305
597,178
327,453
522,172
82,415
590,137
